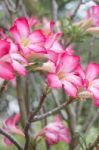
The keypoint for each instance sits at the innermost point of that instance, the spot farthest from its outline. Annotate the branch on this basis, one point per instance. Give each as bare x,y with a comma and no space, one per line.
32,115
73,15
95,143
21,100
12,139
55,110
54,10
3,87
63,114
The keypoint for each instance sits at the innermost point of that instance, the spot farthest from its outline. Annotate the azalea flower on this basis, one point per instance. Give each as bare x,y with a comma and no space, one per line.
10,125
90,78
27,41
6,69
64,75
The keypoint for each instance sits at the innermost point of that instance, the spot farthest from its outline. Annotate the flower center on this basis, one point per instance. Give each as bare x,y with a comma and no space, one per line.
61,75
84,94
25,42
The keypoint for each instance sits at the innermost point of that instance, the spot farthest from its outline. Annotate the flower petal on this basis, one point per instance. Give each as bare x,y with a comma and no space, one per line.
53,81
37,48
92,71
95,83
6,71
19,68
15,33
76,80
37,36
56,47
7,141
51,39
95,92
4,48
68,63
70,88
22,26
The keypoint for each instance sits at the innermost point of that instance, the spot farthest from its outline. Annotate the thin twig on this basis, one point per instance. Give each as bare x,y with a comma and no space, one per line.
11,138
2,89
94,144
55,110
73,15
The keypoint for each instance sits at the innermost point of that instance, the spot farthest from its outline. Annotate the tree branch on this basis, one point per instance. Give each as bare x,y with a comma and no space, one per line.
55,110
73,15
95,143
12,139
3,87
32,115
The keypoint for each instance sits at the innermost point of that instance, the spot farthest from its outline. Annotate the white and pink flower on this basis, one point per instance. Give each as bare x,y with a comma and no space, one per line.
93,13
64,75
6,68
56,132
90,82
26,40
10,126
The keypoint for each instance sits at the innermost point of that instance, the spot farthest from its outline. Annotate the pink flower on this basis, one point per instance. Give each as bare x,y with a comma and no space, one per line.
33,21
6,69
53,47
65,76
26,40
18,61
90,82
70,50
10,125
93,13
56,132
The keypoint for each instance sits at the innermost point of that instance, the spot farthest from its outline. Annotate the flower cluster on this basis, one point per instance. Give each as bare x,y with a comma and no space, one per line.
63,65
26,43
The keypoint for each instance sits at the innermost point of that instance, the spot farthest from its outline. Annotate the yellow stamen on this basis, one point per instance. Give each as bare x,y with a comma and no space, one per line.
84,94
25,42
61,75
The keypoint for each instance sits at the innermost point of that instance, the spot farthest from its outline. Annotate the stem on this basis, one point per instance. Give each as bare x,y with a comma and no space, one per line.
21,100
12,139
2,89
55,110
32,115
95,143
